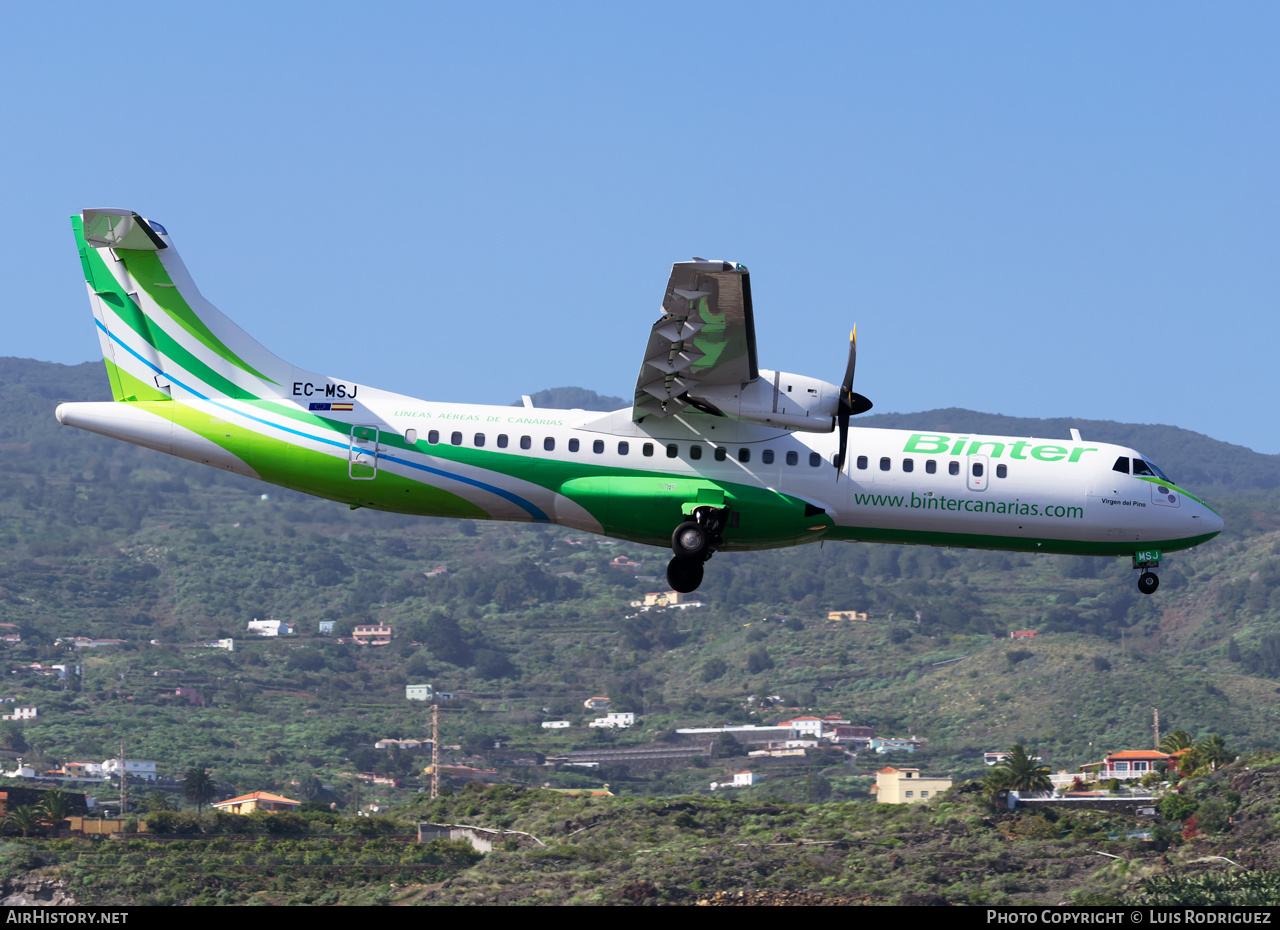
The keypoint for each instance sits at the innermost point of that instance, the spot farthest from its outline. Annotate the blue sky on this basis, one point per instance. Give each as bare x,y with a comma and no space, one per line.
1029,209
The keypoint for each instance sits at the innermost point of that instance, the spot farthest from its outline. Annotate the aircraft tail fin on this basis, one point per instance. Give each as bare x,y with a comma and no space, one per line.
160,338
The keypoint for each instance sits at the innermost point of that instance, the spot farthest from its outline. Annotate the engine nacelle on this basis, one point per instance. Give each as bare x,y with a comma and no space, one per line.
776,398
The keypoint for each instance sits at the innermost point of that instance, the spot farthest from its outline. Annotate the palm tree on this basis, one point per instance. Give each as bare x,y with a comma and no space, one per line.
1020,771
199,787
55,806
25,818
1178,739
158,801
1210,751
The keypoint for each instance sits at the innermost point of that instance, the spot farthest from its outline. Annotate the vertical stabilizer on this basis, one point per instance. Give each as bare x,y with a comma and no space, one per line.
160,337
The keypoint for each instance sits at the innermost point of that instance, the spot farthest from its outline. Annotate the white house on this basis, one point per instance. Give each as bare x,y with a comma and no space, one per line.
555,724
740,780
134,768
418,692
804,726
619,721
21,713
270,627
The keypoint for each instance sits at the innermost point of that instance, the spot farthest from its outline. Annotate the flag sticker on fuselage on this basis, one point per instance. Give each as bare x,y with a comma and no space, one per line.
336,408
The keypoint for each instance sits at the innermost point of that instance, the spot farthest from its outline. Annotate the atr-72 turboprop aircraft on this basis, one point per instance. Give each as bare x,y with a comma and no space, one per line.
714,454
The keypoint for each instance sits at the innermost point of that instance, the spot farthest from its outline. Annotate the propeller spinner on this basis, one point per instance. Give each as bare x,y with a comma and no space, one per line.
851,404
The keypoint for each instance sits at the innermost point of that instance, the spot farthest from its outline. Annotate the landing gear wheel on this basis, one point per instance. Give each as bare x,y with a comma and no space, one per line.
690,541
1148,582
684,575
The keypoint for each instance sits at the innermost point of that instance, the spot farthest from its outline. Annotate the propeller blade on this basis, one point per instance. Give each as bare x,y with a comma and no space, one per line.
847,383
843,419
850,404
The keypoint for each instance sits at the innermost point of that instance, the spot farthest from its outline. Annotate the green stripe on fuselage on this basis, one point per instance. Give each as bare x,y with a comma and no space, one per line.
282,462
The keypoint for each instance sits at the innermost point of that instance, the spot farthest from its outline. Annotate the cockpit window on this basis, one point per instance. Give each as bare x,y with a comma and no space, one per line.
1142,467
1121,465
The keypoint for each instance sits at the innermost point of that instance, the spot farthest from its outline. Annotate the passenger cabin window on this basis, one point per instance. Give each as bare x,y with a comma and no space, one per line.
885,463
862,462
502,440
647,449
721,453
479,439
953,468
526,442
598,447
931,467
744,455
793,458
624,448
695,452
672,450
814,460
433,437
908,465
549,444
977,469
767,456
1002,471
411,437
456,439
1121,465
573,445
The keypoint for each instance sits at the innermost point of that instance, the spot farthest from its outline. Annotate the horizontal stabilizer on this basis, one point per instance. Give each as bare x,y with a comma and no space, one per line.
120,229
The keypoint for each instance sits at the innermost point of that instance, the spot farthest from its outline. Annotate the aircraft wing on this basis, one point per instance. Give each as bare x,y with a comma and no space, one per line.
705,336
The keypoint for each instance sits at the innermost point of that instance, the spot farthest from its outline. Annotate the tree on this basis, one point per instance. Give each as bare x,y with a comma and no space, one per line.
157,801
713,668
199,787
758,660
25,818
1178,739
55,807
13,739
1210,751
726,747
1019,771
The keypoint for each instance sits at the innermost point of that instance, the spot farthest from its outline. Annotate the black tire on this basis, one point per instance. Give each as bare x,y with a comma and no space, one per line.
689,541
684,575
1148,582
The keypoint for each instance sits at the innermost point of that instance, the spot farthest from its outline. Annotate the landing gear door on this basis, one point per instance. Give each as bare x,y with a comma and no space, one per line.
978,468
362,463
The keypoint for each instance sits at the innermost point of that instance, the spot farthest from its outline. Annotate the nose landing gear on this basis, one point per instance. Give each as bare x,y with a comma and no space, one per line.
1147,559
693,542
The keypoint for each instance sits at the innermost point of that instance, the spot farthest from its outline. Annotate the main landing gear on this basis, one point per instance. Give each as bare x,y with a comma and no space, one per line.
1147,560
693,542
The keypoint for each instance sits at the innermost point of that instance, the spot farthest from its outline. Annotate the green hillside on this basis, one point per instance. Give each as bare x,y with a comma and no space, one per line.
107,540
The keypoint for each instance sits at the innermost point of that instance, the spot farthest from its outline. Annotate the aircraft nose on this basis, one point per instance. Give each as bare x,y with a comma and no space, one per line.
1212,522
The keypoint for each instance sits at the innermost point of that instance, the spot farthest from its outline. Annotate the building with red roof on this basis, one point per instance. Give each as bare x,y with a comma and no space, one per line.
258,801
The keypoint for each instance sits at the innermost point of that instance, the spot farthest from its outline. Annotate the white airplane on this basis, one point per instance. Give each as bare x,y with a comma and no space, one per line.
715,453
